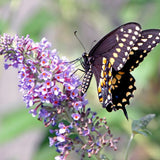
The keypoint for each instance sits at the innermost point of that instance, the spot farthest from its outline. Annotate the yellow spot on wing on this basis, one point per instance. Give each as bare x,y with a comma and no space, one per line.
143,40
126,35
131,42
131,79
121,73
141,56
135,48
104,82
130,87
137,28
118,76
119,104
117,37
124,100
133,37
109,83
101,82
129,30
115,55
109,73
128,93
140,44
150,36
136,33
118,49
99,90
121,44
102,74
123,39
131,52
104,60
112,60
114,81
101,99
109,65
103,67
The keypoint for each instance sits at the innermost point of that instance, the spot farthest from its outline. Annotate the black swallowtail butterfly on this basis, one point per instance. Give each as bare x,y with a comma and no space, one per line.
113,58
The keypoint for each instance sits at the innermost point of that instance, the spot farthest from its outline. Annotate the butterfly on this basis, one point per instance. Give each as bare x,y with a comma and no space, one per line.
113,58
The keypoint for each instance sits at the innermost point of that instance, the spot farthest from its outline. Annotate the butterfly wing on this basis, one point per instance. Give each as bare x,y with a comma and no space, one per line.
103,73
148,40
122,90
123,82
111,60
116,45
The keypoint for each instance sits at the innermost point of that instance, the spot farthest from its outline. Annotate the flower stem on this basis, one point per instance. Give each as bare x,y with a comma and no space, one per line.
128,146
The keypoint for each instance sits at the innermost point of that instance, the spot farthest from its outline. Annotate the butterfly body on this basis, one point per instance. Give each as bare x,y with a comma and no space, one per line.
113,58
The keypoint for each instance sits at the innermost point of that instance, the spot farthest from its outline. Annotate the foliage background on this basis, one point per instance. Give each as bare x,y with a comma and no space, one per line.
23,137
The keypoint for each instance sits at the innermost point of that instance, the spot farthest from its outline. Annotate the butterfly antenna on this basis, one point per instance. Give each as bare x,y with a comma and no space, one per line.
75,34
92,44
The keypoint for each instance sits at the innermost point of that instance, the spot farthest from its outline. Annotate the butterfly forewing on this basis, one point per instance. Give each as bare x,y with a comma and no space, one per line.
148,40
116,45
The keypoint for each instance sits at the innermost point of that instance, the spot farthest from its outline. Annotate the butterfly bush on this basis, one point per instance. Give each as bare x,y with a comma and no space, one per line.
51,92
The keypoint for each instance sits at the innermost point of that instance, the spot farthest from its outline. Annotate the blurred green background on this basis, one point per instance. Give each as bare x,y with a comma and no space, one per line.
21,135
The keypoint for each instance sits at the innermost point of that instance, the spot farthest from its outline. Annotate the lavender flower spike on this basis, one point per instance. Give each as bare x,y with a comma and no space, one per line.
51,91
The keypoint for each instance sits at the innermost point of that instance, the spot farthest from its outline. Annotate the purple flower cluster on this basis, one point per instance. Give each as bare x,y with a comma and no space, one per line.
51,91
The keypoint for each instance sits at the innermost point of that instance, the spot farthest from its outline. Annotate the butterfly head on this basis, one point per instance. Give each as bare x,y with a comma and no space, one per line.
85,55
85,61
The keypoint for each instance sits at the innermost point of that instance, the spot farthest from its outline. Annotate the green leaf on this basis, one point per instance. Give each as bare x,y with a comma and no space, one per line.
140,126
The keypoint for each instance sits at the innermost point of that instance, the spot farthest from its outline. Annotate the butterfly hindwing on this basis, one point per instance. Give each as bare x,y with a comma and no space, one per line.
116,45
122,90
103,74
148,40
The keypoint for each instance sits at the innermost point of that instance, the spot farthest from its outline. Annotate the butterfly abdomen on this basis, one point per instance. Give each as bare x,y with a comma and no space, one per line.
86,81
